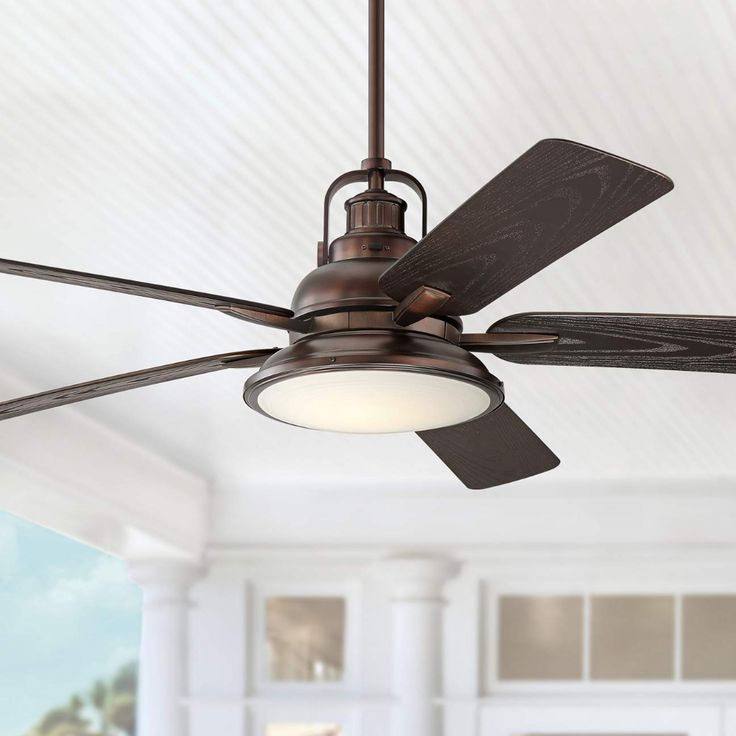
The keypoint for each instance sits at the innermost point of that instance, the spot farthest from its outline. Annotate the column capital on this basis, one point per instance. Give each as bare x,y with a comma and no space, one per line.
415,577
164,579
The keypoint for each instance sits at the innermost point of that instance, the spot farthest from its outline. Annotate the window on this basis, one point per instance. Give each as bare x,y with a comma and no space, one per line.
610,638
305,640
541,638
632,637
709,637
303,729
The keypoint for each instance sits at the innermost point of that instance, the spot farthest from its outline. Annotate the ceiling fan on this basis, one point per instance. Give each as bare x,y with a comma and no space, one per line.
376,339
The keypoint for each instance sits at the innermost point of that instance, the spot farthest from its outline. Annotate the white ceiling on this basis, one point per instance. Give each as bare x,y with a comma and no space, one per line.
162,141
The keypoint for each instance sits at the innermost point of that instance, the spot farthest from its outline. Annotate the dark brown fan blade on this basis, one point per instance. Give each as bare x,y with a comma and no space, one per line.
262,314
663,341
552,199
127,381
498,448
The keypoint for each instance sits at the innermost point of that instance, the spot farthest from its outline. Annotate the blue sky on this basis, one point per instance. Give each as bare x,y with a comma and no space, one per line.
68,615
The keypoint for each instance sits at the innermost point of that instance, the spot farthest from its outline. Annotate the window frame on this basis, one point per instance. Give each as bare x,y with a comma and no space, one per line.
492,685
350,592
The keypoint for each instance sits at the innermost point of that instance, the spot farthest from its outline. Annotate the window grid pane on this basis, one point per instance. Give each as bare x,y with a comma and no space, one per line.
632,637
709,637
305,639
540,638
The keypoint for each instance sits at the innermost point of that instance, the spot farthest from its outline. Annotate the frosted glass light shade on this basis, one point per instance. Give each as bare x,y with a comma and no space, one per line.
373,401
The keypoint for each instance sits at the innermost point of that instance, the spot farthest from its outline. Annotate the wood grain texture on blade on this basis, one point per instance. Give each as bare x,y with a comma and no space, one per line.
657,341
128,381
140,288
552,199
498,448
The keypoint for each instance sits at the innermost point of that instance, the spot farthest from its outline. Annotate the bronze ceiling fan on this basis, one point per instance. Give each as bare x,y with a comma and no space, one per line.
376,340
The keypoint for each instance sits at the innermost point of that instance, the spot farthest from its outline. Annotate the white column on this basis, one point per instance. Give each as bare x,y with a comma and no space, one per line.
416,599
162,667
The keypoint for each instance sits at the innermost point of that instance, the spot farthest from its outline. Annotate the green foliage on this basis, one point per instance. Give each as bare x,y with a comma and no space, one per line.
121,713
66,721
98,695
55,719
126,680
67,729
107,710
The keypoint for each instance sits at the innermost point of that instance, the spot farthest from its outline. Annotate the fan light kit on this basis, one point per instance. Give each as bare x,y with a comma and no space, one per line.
373,381
376,339
371,401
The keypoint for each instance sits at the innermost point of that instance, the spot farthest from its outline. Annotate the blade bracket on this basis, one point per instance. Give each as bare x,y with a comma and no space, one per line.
422,302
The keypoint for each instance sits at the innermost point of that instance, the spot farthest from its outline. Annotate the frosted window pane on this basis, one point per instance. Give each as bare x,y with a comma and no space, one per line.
303,729
540,638
709,637
305,639
632,637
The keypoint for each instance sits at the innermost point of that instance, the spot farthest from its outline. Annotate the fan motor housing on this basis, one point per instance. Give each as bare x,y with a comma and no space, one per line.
344,293
346,284
373,239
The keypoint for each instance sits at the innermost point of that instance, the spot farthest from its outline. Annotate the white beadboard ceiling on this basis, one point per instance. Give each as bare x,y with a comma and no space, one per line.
190,143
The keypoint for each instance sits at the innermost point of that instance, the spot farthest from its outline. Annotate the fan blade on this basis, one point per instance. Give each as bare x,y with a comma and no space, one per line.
127,381
545,204
498,448
262,314
661,341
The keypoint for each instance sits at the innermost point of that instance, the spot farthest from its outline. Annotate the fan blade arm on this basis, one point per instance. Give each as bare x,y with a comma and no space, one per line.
552,199
620,340
495,449
261,314
491,342
128,381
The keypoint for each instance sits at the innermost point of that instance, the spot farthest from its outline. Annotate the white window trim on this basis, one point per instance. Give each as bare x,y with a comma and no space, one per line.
511,720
